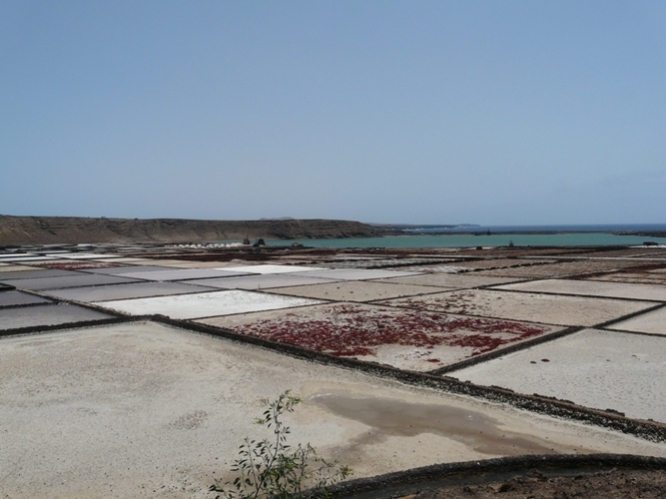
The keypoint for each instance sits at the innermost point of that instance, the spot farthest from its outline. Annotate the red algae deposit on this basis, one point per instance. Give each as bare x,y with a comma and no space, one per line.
352,331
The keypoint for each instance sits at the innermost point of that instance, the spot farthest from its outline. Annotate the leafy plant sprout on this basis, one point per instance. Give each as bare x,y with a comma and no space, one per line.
272,469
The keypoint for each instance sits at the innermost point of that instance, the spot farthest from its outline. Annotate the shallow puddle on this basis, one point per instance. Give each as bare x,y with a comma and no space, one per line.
390,417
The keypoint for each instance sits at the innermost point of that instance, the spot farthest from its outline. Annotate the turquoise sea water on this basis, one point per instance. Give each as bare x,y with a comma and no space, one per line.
466,240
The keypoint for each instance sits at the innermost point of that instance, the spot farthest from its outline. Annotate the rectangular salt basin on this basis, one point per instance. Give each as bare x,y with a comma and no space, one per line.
269,269
446,280
23,258
650,322
592,288
357,291
182,274
125,291
46,315
652,277
260,281
205,304
86,256
356,274
182,264
72,281
499,263
598,369
124,410
562,269
13,298
125,269
405,339
34,273
533,307
7,267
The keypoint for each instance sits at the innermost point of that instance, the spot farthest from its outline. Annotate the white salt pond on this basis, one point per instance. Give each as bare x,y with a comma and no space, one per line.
650,322
598,369
144,410
205,304
269,269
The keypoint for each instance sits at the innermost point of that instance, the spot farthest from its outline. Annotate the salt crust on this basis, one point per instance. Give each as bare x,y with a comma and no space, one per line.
413,352
205,304
592,288
651,322
269,269
46,315
600,369
356,274
547,309
181,274
144,410
357,291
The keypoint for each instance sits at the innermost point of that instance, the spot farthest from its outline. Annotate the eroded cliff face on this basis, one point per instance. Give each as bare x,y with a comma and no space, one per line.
46,230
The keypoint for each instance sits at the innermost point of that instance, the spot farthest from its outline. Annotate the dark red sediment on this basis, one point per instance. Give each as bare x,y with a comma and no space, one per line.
350,331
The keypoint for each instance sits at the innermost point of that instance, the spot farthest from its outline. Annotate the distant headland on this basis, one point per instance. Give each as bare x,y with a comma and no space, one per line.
19,230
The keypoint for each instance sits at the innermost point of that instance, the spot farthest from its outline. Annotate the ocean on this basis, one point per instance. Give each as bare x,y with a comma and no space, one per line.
472,236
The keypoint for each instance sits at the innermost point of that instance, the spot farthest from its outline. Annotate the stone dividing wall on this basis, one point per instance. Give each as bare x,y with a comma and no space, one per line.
386,484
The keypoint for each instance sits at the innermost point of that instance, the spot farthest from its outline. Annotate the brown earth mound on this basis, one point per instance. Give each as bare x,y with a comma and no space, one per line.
54,230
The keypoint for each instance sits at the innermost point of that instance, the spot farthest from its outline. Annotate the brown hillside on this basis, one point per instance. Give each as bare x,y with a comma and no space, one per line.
45,230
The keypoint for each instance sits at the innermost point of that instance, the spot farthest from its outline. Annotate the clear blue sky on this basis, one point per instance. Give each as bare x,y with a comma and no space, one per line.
492,112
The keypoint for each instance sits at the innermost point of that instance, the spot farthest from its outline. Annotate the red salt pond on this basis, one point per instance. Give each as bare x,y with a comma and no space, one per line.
349,330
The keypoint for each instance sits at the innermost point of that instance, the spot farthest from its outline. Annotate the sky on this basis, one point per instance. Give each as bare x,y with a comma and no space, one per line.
491,112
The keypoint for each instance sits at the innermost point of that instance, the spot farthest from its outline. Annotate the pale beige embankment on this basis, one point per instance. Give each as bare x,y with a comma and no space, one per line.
144,410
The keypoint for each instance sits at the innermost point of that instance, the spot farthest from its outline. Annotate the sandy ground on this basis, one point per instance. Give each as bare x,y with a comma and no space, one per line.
405,339
142,410
600,369
651,322
592,288
547,309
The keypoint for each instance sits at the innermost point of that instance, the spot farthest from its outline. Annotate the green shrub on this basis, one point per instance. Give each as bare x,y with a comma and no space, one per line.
272,469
